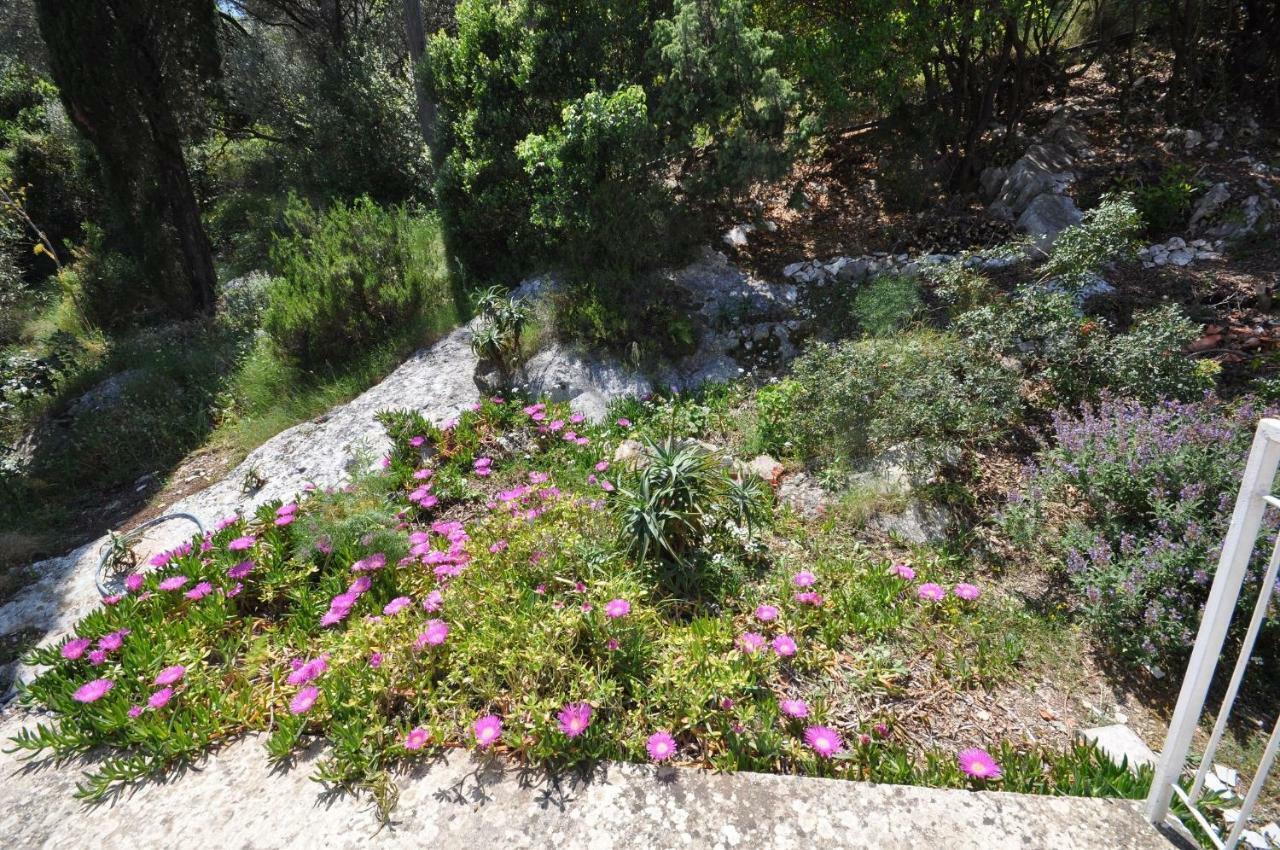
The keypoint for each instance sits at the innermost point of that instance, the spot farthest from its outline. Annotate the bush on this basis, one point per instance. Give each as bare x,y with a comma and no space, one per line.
923,392
1147,492
348,280
887,304
1106,233
1065,357
1165,205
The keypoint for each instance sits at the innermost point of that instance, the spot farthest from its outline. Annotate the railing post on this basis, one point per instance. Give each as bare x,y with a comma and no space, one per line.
1237,548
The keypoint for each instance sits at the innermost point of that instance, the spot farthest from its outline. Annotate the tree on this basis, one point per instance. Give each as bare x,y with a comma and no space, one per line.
128,72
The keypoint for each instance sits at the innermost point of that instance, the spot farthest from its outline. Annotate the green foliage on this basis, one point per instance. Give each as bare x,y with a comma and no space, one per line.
887,304
1165,205
1106,233
502,321
347,281
924,392
102,283
775,408
1066,358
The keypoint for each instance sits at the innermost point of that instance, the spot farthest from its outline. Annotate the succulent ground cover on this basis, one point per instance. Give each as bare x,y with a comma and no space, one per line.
503,584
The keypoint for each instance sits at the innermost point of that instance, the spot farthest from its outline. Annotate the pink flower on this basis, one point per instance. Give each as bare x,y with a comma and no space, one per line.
287,519
539,477
978,763
73,650
931,592
434,602
133,582
395,606
93,691
113,599
749,642
488,730
624,423
417,442
540,589
795,708
437,631
602,466
967,592
616,608
902,571
497,547
174,583
242,543
577,419
661,746
823,741
304,672
612,644
160,698
235,590
804,578
170,675
369,564
784,646
306,698
200,591
416,739
135,711
375,660
574,719
808,597
240,570
98,657
766,613
555,425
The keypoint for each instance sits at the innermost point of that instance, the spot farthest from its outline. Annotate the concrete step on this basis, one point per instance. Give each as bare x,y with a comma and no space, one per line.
235,799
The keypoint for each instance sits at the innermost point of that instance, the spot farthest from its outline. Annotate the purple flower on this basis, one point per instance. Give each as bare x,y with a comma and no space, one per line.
416,739
902,571
661,746
616,608
488,730
750,642
574,719
434,602
160,698
395,606
304,672
823,741
795,708
174,583
170,675
931,592
437,631
93,691
73,650
784,645
306,698
804,578
375,660
135,711
967,592
133,582
808,598
240,570
98,657
200,591
240,544
766,613
978,763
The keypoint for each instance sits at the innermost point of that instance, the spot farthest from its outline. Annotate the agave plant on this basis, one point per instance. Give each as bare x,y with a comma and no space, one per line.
502,321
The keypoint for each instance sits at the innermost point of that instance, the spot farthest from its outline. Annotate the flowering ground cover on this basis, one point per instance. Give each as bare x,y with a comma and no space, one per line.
503,584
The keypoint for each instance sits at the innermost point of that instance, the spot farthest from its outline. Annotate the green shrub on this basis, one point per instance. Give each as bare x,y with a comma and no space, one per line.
1106,233
924,392
348,280
775,406
886,304
1165,205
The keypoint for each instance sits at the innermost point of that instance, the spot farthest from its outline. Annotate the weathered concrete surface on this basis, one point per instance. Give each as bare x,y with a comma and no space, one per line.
233,799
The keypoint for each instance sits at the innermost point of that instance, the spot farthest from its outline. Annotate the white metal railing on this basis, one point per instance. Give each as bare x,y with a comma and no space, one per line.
1237,550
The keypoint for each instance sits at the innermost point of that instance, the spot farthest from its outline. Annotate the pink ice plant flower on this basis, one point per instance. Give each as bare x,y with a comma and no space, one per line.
133,582
794,707
200,591
240,570
766,613
616,608
160,698
661,746
375,660
488,730
784,645
967,592
750,642
979,764
808,597
395,606
624,423
823,740
113,641
240,544
902,571
434,602
174,583
931,592
98,657
574,719
416,739
437,631
305,671
73,650
135,711
170,675
93,691
804,578
305,698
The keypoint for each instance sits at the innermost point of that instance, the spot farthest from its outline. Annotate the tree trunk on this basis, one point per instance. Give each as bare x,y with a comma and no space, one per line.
416,38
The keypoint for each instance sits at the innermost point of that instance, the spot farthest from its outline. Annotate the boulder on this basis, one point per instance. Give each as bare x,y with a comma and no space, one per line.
1043,168
1046,216
766,469
919,523
737,235
563,374
991,179
1208,205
